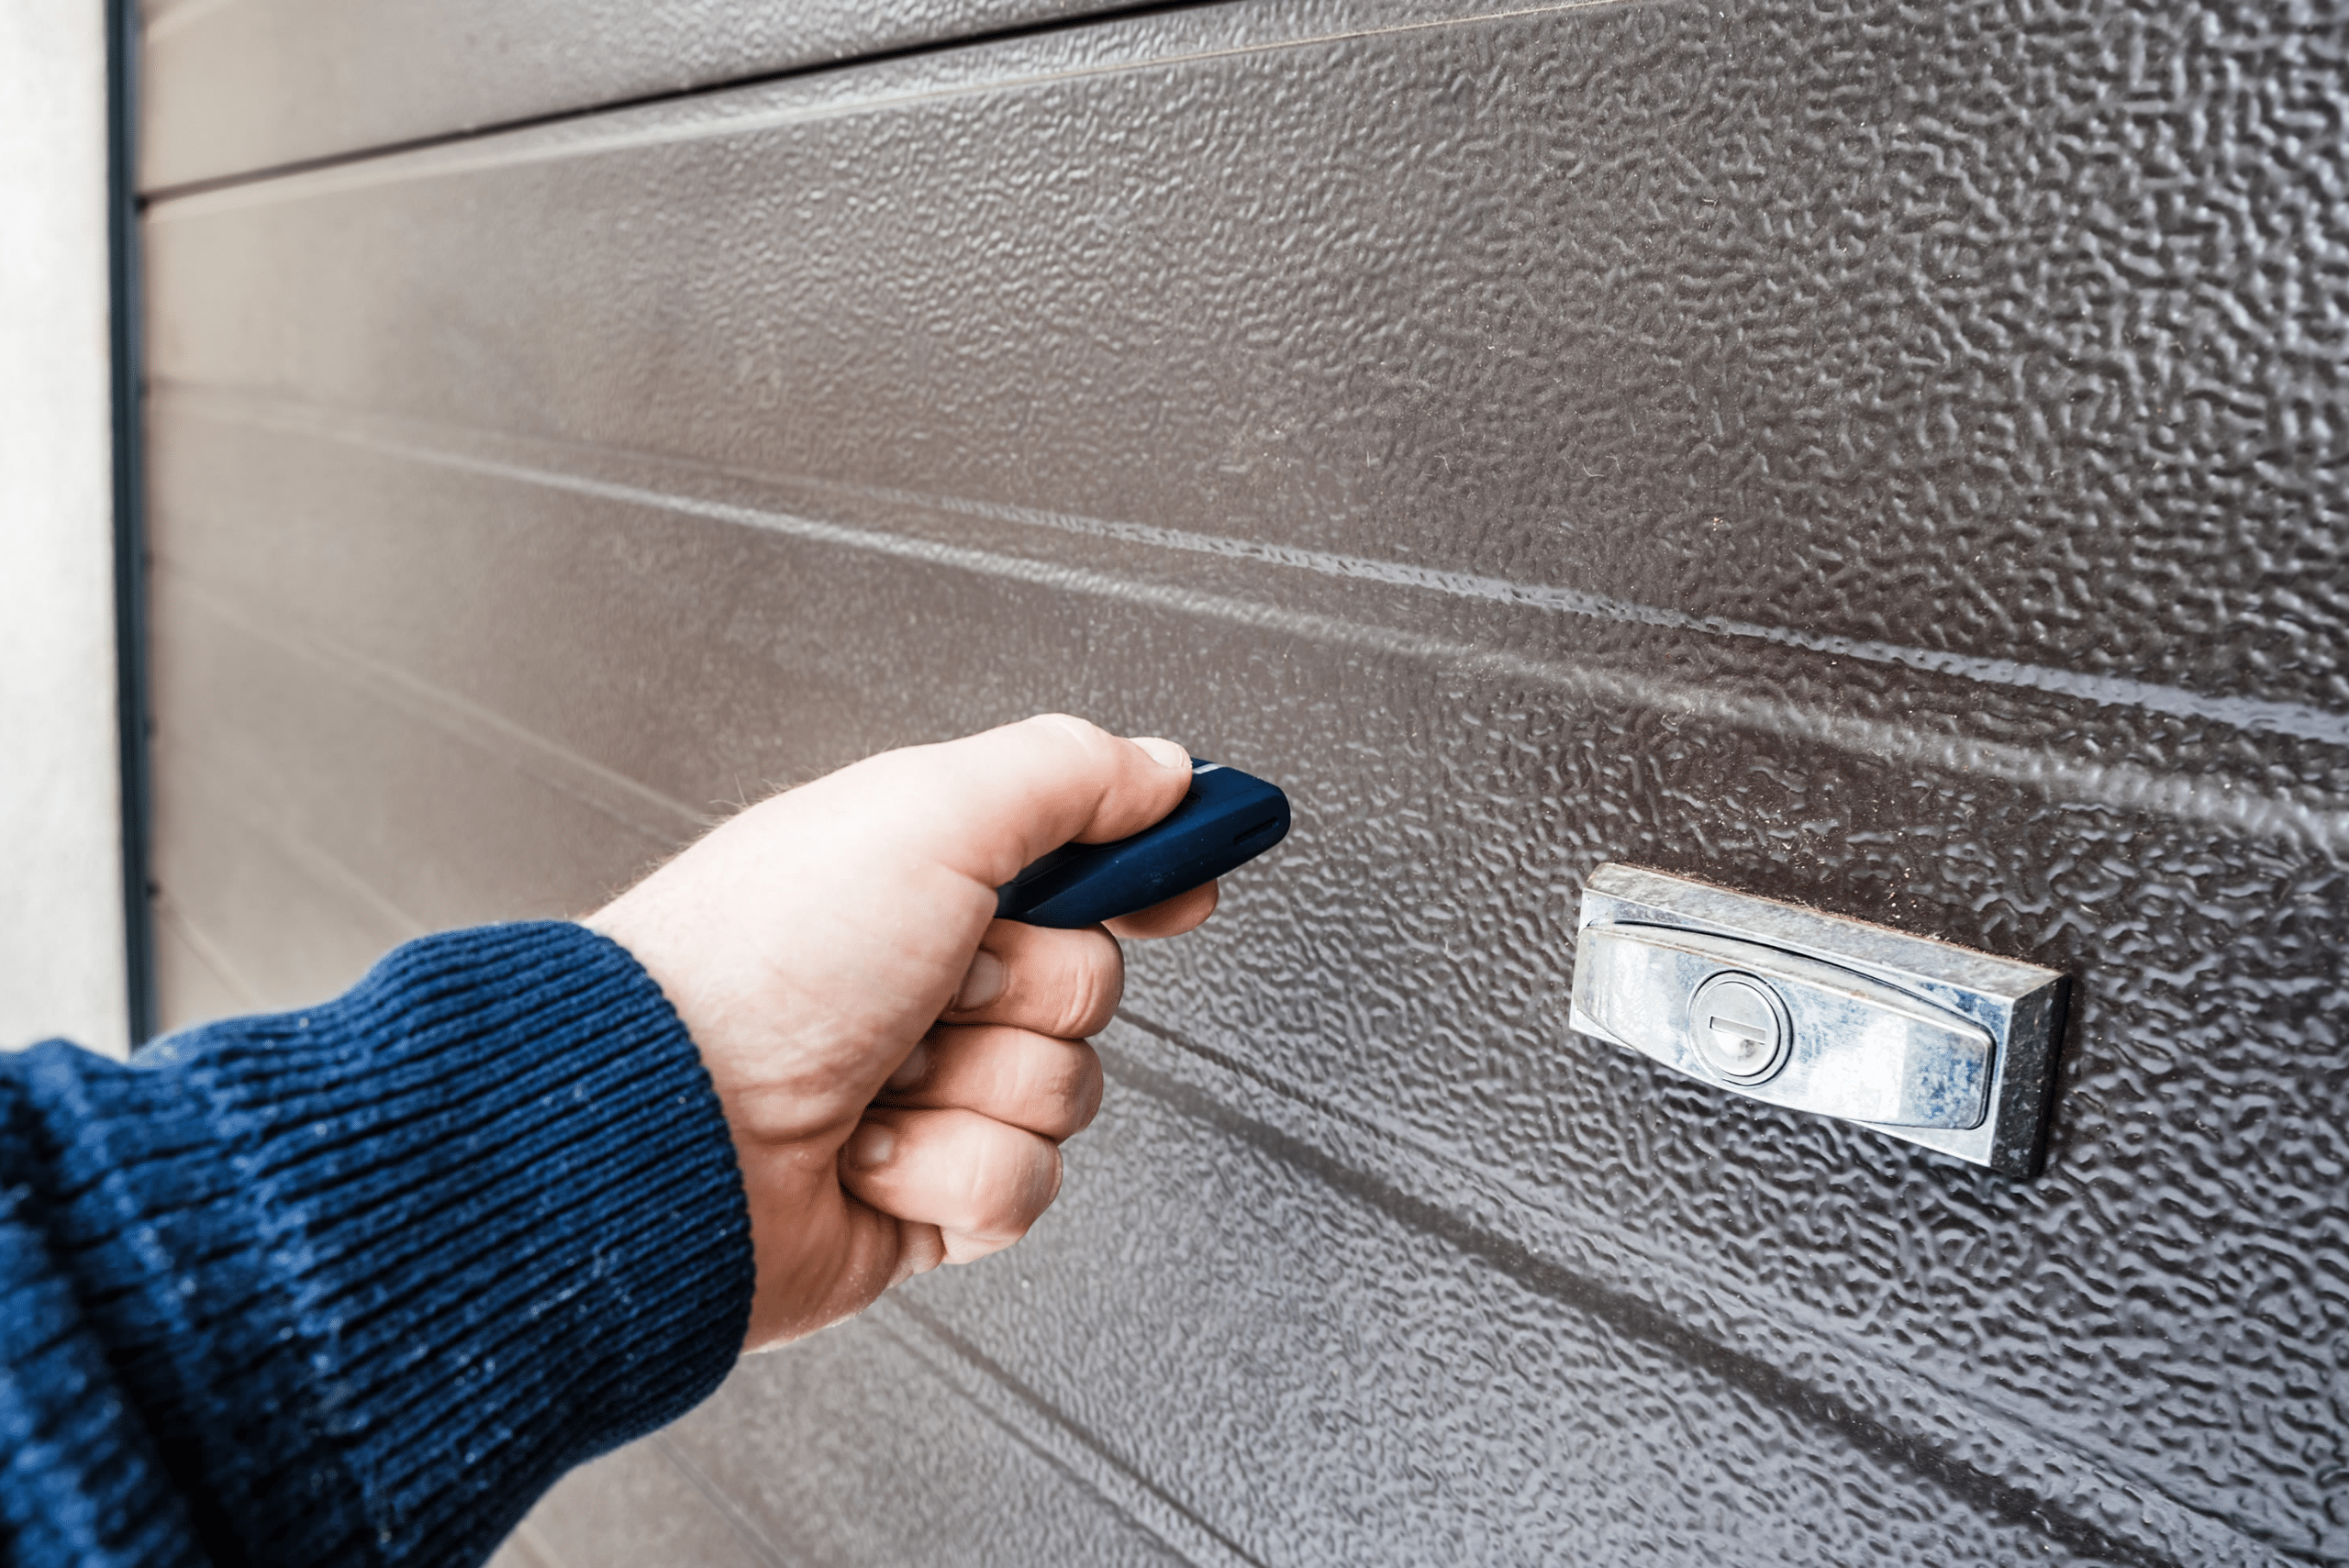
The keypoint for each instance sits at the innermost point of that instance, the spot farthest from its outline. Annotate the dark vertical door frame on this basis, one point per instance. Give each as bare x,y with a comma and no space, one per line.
129,370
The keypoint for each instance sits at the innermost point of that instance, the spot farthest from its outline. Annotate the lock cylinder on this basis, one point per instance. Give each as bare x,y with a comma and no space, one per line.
1739,1028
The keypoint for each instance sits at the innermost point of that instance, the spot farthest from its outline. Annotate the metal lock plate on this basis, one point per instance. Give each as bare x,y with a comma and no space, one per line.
1919,1039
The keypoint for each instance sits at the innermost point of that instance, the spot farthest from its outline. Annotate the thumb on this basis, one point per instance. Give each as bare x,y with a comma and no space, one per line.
988,804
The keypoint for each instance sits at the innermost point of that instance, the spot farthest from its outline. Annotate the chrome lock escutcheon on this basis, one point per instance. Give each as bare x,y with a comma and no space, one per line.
1923,1040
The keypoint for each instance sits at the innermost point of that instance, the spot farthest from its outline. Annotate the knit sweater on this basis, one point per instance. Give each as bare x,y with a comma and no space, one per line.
355,1284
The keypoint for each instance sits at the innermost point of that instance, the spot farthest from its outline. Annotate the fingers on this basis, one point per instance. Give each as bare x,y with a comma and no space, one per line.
983,1184
1170,918
1050,1087
988,804
1062,983
1056,983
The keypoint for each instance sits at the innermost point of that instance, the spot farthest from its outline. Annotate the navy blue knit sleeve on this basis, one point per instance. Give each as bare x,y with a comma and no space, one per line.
355,1285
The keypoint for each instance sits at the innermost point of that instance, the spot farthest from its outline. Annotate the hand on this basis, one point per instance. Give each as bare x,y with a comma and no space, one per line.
898,1066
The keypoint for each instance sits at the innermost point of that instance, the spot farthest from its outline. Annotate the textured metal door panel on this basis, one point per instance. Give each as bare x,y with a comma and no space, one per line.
1882,458
236,85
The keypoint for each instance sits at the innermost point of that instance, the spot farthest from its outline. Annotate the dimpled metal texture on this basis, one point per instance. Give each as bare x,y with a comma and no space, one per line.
234,86
1884,457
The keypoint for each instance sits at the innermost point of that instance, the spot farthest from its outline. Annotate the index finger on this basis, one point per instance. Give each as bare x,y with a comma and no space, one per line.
988,804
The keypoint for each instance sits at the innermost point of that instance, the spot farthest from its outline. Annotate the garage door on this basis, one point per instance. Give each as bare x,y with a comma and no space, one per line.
1881,458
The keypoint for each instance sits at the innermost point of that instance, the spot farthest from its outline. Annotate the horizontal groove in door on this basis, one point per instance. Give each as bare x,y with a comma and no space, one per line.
1430,464
964,1489
240,88
276,922
2125,745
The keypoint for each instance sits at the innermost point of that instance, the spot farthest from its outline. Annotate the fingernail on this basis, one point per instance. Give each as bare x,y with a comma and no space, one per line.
909,1071
870,1144
1165,752
982,982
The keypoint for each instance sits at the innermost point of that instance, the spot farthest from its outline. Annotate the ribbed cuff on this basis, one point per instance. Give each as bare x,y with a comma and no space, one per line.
433,1242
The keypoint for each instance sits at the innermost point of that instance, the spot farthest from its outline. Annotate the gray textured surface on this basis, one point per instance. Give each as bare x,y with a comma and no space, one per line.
235,86
638,1506
1884,459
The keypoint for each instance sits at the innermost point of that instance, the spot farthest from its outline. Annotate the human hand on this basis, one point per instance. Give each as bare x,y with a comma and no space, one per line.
899,1067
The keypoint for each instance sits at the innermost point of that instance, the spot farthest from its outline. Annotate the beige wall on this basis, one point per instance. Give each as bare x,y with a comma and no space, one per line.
61,909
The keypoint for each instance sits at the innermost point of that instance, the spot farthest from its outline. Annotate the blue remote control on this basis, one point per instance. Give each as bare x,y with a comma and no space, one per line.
1228,818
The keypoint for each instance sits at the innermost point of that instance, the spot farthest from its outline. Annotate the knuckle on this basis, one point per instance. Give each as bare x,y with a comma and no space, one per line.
1095,982
1010,1189
1085,1103
1084,732
1066,1088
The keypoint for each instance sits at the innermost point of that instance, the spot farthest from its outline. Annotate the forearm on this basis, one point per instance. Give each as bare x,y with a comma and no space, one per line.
367,1277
